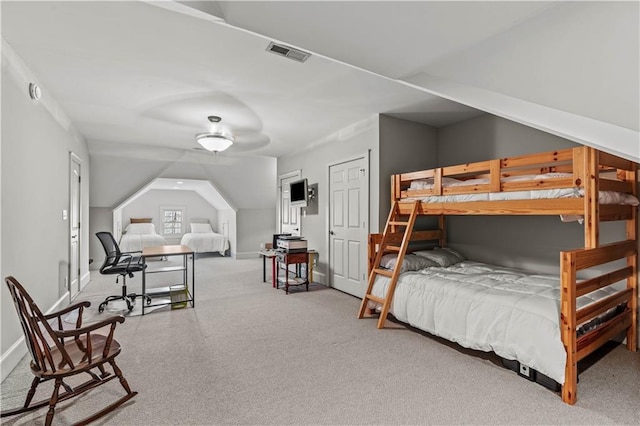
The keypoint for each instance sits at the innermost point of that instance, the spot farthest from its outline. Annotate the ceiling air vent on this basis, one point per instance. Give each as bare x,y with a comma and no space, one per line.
288,52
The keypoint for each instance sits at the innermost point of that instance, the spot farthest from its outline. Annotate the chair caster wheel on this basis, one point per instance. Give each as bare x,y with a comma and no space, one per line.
148,300
101,308
129,306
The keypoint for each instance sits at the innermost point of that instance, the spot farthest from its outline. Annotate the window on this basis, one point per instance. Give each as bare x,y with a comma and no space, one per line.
172,221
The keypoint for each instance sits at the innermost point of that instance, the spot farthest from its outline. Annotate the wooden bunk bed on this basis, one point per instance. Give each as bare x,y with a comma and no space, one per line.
588,175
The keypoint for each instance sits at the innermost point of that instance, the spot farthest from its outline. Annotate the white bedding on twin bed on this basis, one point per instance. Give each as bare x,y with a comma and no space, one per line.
204,242
136,242
490,308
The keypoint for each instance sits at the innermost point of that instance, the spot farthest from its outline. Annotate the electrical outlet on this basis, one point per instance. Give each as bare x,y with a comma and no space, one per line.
524,370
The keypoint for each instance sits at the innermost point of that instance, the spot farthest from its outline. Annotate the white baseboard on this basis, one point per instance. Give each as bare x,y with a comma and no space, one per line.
18,350
319,277
12,357
85,280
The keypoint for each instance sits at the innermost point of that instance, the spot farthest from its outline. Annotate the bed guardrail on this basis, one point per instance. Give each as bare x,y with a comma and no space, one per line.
571,262
569,168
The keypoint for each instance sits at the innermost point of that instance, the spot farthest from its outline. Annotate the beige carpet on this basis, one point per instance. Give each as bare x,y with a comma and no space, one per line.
249,354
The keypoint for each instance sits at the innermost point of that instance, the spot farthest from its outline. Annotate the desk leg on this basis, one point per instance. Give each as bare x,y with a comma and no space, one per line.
286,276
307,273
274,277
144,286
264,268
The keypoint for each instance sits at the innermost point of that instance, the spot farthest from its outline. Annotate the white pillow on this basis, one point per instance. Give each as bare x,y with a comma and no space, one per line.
442,256
428,183
411,262
200,228
140,229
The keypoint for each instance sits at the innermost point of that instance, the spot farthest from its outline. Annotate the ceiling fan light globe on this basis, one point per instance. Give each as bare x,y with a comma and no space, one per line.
214,142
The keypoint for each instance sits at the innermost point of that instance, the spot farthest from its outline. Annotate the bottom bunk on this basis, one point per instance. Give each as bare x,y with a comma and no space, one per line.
542,322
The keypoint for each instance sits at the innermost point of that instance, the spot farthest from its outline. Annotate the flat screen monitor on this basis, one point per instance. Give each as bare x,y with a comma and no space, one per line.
299,193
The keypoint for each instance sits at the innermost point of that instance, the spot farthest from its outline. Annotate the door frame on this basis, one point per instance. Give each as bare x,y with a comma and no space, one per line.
363,255
293,173
74,158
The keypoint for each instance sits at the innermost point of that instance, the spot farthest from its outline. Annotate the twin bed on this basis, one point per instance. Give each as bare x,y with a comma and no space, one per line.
141,233
546,323
202,239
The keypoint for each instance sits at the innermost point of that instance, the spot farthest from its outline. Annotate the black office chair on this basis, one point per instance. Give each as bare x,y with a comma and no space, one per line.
122,264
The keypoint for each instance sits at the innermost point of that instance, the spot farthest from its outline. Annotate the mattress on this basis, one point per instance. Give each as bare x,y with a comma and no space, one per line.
205,242
489,308
136,242
605,197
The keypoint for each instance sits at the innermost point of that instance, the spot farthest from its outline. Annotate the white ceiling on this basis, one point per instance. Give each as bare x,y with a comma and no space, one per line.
150,73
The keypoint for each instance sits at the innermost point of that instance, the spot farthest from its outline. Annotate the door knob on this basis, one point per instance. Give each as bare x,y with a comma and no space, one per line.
331,233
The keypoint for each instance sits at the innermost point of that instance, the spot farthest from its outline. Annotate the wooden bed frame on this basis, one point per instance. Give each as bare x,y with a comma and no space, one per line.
591,171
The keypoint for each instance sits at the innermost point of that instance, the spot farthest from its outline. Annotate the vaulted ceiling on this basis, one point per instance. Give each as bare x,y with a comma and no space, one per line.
147,74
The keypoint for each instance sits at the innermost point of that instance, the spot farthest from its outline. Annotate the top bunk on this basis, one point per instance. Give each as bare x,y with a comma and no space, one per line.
575,182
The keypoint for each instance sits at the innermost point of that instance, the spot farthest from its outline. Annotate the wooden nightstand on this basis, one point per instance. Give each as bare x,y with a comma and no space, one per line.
292,259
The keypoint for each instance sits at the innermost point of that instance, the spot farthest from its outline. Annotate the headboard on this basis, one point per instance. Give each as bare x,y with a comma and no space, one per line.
140,220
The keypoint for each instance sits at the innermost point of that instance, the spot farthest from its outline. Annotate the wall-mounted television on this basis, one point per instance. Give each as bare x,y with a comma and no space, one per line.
298,193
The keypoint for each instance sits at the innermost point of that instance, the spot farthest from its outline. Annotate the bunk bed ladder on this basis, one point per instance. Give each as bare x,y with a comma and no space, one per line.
389,244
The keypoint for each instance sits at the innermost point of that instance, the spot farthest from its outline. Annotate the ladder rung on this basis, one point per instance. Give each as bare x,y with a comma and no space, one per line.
392,248
396,222
375,298
385,272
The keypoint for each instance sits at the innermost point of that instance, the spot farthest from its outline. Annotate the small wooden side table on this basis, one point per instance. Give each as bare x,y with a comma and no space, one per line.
292,259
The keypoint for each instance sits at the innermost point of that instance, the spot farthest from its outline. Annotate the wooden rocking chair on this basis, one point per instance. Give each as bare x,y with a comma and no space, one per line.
57,353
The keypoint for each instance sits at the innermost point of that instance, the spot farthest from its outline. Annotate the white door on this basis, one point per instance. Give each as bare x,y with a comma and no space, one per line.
348,225
74,226
289,216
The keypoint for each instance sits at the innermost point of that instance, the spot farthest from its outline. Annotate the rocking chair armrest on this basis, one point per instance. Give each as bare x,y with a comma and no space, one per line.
68,309
89,328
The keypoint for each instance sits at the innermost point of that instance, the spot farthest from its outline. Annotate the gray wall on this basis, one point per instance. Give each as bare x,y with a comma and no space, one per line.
404,147
532,242
35,191
101,220
395,146
314,163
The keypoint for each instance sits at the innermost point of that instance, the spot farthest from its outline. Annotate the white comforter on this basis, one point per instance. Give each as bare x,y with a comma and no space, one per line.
204,242
136,242
605,197
488,308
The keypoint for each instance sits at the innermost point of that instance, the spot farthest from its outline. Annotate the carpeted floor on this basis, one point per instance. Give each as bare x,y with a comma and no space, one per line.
249,354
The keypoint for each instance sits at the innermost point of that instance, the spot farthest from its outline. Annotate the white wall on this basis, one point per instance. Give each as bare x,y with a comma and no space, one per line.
35,190
151,202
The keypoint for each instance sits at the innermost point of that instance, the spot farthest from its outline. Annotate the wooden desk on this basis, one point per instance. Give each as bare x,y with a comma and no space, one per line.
168,251
291,259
